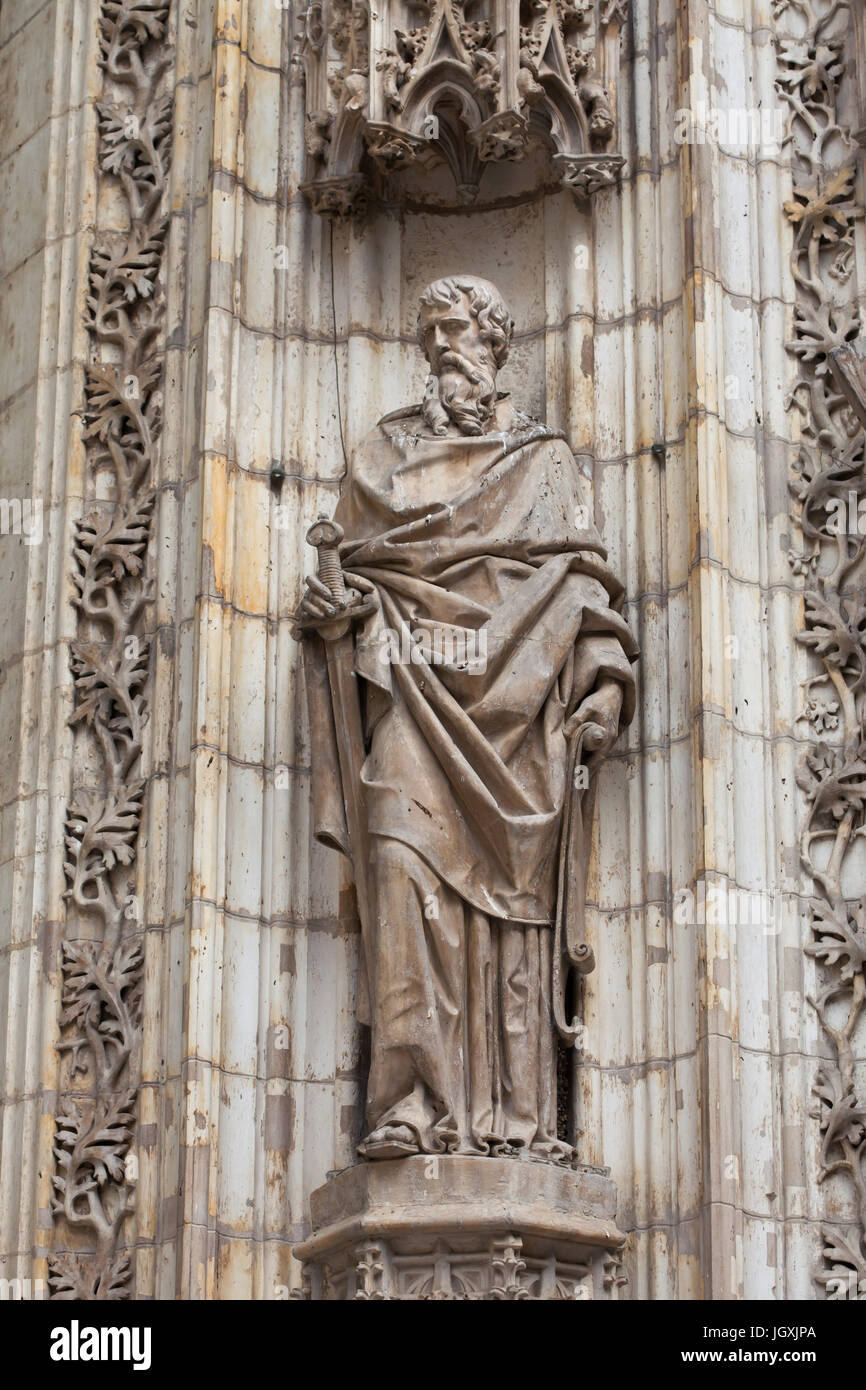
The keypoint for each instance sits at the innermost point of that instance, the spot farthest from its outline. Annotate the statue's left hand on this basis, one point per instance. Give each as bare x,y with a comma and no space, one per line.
602,707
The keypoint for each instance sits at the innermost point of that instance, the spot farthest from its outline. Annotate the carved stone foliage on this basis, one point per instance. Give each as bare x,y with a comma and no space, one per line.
122,414
468,82
828,484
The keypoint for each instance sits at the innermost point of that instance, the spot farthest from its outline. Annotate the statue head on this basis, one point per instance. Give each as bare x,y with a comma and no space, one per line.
464,328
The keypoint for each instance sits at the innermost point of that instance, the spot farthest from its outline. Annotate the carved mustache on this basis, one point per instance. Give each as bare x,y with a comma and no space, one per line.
474,375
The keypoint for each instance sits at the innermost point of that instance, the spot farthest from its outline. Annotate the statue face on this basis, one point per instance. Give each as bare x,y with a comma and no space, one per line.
461,389
451,337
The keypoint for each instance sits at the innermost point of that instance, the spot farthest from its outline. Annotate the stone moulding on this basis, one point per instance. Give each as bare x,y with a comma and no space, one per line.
829,471
94,1182
467,82
456,1228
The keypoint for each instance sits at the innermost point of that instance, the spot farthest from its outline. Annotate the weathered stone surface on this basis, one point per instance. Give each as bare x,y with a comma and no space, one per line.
456,1227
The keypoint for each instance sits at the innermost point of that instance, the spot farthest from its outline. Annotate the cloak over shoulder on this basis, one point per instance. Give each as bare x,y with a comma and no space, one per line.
481,552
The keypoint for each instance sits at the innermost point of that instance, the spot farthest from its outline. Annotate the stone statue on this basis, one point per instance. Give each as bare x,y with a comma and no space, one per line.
463,651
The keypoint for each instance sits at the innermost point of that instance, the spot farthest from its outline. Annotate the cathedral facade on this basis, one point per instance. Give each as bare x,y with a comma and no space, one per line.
433,656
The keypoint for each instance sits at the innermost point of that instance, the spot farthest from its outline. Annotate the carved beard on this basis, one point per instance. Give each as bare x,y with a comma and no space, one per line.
463,392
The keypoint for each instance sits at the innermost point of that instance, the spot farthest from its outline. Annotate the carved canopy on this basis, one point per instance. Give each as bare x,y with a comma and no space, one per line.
468,82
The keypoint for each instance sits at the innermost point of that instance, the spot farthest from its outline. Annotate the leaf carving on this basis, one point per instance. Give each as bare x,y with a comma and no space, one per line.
122,421
827,488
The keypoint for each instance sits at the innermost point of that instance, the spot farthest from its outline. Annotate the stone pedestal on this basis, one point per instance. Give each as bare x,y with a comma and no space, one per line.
460,1228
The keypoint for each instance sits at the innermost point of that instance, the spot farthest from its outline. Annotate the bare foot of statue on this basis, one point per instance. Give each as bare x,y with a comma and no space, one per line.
391,1141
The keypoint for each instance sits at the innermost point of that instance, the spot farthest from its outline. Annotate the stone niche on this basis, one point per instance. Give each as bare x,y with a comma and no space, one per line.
463,137
457,1228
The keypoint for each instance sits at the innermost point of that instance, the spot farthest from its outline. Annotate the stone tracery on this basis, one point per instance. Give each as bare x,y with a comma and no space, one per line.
458,81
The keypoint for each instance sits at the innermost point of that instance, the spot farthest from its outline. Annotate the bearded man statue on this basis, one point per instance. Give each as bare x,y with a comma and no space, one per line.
489,672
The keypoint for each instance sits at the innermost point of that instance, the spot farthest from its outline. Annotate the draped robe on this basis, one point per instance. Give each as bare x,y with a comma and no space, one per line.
495,615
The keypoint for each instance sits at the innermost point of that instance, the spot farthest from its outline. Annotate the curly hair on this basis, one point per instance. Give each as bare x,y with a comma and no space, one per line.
485,304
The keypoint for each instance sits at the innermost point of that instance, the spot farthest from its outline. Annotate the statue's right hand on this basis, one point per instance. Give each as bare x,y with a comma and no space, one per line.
317,605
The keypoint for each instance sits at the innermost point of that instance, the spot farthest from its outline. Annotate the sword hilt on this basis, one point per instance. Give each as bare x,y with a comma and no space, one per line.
326,535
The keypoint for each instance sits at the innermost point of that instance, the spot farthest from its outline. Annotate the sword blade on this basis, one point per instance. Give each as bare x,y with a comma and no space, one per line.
345,697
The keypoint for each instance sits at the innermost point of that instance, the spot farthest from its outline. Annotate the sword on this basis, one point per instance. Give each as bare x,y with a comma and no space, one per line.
336,634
